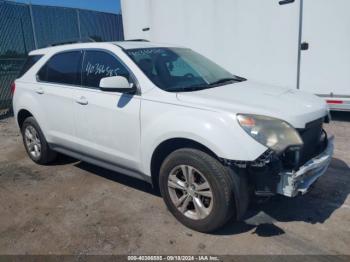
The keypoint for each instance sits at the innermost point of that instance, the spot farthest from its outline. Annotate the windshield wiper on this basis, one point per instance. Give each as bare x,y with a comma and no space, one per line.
206,86
226,80
187,88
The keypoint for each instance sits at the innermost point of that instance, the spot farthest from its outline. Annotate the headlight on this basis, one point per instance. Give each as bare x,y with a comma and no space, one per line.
273,133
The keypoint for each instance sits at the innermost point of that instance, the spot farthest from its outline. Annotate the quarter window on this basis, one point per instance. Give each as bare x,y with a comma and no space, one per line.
31,60
62,68
99,64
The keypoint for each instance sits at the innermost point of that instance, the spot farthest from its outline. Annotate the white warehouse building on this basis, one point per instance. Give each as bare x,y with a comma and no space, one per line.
302,44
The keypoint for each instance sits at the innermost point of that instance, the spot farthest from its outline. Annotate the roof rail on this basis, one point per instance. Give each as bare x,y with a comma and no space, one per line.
74,41
137,40
89,40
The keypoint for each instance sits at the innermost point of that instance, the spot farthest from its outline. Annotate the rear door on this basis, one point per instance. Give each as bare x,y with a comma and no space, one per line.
107,123
56,80
325,66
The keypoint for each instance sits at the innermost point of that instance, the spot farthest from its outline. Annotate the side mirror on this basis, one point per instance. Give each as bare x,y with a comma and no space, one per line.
116,84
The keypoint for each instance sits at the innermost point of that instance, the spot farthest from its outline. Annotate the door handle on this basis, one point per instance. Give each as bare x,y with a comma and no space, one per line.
82,100
39,90
285,2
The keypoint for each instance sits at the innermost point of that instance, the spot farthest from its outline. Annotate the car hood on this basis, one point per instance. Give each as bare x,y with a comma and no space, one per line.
293,106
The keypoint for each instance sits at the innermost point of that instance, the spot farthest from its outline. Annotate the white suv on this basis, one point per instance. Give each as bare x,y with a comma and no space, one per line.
173,118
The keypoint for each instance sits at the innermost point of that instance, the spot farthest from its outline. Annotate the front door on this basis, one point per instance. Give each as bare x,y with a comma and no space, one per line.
107,123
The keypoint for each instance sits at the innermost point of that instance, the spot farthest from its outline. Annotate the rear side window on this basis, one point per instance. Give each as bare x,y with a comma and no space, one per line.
31,60
63,68
99,64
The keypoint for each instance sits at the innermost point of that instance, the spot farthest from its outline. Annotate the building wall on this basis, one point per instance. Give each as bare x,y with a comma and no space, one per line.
254,39
52,25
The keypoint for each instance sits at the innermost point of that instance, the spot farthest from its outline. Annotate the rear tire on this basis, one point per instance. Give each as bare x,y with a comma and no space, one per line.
35,143
197,189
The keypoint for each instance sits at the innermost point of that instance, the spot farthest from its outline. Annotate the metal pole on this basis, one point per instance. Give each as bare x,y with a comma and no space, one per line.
301,13
79,29
33,26
23,37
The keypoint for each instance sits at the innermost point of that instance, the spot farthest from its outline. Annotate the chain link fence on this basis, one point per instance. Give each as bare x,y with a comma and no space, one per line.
27,27
9,69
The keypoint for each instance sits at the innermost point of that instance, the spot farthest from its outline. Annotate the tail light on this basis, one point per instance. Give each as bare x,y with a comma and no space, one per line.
13,88
334,102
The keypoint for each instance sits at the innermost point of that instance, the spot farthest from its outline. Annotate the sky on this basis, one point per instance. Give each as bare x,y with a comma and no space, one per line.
110,6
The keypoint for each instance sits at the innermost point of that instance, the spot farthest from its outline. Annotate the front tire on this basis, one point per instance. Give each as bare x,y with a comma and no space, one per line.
197,189
35,143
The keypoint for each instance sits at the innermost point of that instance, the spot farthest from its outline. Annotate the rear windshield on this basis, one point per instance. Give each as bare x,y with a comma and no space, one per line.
31,60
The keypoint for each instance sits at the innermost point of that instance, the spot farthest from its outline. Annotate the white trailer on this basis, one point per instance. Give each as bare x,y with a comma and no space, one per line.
303,44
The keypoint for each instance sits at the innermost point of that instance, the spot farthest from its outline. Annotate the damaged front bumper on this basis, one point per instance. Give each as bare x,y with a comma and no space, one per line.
294,182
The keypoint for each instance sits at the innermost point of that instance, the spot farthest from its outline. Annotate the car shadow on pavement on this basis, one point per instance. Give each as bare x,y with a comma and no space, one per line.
63,160
327,195
118,178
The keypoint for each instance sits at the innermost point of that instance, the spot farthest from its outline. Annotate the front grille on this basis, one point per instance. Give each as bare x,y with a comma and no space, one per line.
313,138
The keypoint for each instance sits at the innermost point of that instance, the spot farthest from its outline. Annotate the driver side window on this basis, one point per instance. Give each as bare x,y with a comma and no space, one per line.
98,65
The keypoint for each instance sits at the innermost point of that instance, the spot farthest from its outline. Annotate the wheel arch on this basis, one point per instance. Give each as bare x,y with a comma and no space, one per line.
165,148
239,179
22,115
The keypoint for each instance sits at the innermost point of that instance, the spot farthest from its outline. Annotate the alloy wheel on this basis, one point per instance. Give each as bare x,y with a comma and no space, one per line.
190,192
32,142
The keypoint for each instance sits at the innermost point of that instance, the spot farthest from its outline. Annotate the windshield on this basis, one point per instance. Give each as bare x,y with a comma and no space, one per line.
180,69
